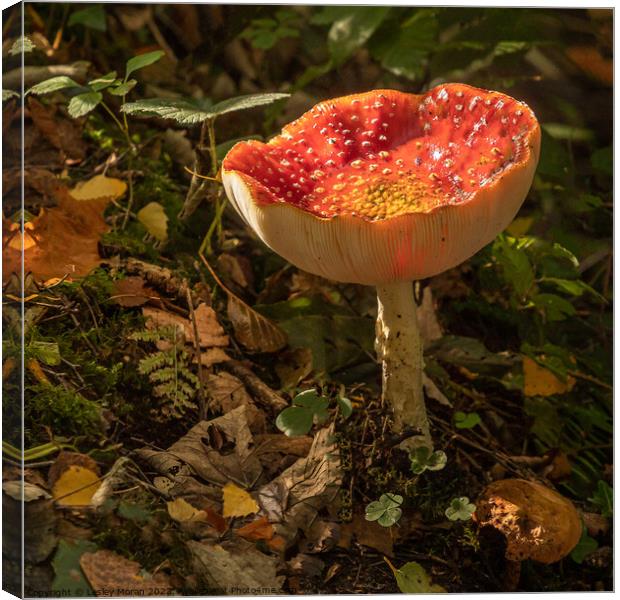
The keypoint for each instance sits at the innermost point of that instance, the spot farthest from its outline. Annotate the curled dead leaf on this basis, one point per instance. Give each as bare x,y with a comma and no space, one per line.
539,381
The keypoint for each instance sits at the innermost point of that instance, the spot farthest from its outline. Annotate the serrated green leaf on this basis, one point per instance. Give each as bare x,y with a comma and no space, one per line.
22,45
53,85
123,88
245,102
141,61
8,94
182,111
82,104
100,83
93,16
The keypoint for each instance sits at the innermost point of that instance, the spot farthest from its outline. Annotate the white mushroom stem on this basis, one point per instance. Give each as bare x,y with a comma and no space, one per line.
399,347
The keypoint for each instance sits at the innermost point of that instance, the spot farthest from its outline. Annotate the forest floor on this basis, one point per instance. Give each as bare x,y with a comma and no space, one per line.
155,373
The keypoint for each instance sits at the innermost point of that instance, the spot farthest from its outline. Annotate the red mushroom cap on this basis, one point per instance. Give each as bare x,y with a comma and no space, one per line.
387,186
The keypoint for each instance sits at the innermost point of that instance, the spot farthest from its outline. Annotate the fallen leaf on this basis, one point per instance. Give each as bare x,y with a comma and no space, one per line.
237,502
112,575
76,486
182,511
66,564
261,529
412,578
132,291
97,188
366,533
155,220
196,450
236,568
29,492
210,332
292,500
590,60
306,565
294,365
61,241
539,381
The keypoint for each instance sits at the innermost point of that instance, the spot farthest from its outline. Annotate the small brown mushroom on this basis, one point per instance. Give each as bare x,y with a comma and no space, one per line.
537,522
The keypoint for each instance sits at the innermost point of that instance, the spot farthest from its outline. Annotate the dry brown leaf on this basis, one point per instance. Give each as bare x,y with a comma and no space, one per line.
210,332
112,575
182,511
261,529
590,60
60,132
61,241
539,381
132,291
213,356
367,533
294,365
237,502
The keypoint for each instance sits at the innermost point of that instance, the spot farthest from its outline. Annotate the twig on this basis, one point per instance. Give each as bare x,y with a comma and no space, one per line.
202,405
264,394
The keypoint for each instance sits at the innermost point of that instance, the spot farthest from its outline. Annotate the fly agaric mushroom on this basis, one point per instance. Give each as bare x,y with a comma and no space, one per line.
385,188
537,522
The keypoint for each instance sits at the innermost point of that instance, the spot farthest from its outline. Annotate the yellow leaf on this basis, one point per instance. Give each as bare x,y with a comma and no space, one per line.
182,511
542,382
76,486
99,186
154,218
237,502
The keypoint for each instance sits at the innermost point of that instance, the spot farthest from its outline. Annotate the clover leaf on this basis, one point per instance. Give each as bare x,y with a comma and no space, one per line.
386,511
460,509
424,459
308,408
466,420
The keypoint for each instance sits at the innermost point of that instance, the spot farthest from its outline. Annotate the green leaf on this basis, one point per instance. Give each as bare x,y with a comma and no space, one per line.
46,352
412,578
133,512
345,406
183,112
141,61
460,509
103,82
52,85
69,579
584,547
556,308
574,287
8,94
308,408
93,16
386,511
424,459
353,30
466,420
515,265
245,102
603,499
123,88
82,104
22,45
602,160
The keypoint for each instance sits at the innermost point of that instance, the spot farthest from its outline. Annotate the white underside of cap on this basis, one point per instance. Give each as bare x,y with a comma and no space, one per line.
404,248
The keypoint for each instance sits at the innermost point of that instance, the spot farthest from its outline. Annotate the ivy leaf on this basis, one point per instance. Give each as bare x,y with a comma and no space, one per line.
603,499
460,509
141,61
386,511
82,104
53,85
585,546
424,459
466,420
123,88
345,406
102,82
353,30
308,408
412,578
